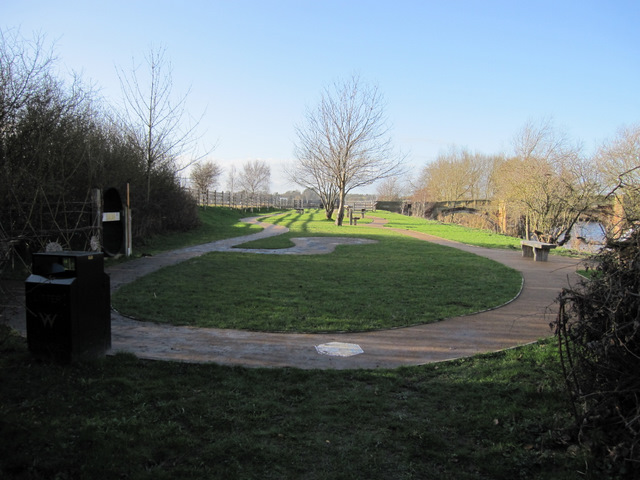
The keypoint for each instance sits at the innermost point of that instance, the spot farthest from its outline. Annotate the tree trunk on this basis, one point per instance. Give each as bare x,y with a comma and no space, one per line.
340,214
148,186
328,203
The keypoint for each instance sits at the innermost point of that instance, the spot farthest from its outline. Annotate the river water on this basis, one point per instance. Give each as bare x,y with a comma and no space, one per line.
587,237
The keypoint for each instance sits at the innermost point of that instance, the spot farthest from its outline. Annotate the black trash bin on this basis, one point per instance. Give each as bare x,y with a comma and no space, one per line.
68,306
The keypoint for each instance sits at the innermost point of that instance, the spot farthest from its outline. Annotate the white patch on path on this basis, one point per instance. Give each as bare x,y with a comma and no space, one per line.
339,349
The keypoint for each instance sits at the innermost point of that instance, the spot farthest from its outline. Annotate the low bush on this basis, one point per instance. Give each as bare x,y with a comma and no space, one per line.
598,328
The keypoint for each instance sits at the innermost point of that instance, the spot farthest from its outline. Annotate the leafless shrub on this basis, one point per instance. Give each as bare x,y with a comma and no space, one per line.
598,330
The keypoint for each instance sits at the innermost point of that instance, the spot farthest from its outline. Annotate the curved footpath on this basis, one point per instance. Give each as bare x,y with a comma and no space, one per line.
524,320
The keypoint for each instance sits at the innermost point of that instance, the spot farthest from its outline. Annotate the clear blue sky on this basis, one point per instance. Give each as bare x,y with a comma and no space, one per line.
463,73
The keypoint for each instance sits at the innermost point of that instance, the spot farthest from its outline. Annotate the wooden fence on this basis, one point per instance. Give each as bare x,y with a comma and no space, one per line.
214,198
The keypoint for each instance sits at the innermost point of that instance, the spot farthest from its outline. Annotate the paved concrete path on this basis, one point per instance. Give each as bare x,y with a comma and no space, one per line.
524,320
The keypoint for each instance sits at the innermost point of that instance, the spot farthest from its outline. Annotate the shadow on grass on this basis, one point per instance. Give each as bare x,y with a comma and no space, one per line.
399,281
500,416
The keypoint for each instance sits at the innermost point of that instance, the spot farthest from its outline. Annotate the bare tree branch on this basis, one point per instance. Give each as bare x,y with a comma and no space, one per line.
204,176
255,178
157,121
344,143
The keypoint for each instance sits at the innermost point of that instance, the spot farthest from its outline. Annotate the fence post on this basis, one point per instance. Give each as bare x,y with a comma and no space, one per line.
128,235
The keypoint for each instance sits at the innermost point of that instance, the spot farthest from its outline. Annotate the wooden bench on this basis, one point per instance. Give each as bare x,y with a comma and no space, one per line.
300,210
539,251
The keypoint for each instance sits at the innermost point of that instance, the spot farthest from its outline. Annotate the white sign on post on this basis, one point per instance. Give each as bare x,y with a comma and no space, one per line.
111,217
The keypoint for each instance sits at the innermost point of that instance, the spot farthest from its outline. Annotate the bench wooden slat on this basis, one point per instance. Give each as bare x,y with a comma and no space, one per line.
539,251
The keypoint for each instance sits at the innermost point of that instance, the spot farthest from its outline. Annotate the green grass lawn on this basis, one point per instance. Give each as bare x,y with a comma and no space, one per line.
395,282
217,223
498,416
450,231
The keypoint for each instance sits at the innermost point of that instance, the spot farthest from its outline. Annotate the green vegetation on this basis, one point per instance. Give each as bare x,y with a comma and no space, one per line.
47,170
313,223
450,231
216,223
599,337
458,233
498,416
395,282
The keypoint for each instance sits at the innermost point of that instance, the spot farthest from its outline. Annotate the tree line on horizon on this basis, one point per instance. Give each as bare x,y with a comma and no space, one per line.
543,187
59,139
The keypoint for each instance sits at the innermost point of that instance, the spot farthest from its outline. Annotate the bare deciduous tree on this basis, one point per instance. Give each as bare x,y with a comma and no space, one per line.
450,177
255,178
306,173
548,181
24,71
47,129
58,141
204,176
390,190
157,120
619,165
232,179
457,175
345,142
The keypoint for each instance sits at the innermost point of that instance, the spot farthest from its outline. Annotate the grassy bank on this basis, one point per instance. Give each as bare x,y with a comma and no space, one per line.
450,231
395,282
216,223
498,416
